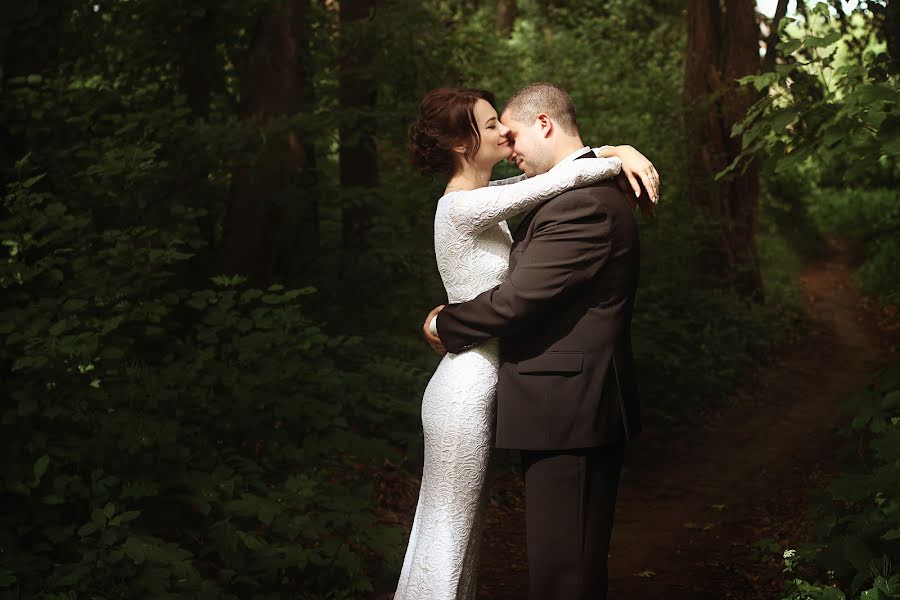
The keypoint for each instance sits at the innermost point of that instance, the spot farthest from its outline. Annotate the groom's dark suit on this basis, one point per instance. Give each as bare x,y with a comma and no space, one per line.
567,395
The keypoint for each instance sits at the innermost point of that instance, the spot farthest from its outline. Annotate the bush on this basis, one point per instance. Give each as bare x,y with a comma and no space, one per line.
858,531
168,435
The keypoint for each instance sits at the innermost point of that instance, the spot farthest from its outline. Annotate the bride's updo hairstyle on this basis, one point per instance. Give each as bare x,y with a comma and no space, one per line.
446,119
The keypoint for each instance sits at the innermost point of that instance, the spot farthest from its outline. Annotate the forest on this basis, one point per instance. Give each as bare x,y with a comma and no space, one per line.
216,259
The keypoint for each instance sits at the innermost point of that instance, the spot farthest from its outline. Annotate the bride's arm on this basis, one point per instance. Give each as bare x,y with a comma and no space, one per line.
509,180
635,166
476,210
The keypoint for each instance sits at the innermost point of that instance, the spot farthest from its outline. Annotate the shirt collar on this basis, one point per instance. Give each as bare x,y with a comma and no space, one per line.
574,155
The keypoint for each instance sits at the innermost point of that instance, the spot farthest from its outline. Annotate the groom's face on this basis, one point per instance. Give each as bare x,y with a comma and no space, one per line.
531,151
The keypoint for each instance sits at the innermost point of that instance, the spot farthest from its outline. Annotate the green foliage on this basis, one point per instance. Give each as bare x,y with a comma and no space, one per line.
829,128
167,432
858,532
155,444
821,103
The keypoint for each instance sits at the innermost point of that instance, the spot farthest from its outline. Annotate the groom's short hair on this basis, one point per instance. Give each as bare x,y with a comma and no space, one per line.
543,97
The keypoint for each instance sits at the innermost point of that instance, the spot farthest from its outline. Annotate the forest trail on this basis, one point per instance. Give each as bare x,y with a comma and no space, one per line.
695,495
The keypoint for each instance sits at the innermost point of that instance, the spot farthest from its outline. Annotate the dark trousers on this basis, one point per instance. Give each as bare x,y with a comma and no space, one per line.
570,500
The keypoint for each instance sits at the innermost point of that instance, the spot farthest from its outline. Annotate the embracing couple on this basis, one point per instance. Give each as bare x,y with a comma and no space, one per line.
536,336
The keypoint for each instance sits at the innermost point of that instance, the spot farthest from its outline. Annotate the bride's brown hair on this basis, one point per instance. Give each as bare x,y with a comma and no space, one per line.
446,119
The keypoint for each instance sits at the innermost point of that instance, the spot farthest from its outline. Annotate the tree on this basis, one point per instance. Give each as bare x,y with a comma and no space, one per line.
261,228
722,46
505,16
358,160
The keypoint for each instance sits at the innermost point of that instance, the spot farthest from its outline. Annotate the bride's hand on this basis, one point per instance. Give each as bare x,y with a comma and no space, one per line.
433,340
636,166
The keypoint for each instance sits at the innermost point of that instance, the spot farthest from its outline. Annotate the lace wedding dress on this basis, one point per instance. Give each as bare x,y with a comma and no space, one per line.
472,244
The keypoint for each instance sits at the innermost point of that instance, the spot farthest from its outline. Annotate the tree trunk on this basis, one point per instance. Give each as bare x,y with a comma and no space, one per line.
723,45
358,159
506,16
195,62
268,196
772,39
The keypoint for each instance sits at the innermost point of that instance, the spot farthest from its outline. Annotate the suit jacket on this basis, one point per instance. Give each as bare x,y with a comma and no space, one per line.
563,316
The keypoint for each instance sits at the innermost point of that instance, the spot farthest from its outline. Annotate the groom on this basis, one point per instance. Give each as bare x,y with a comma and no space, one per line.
567,395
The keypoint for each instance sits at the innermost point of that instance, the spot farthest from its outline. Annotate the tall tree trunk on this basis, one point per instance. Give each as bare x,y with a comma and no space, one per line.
506,13
772,38
723,45
267,196
358,159
196,61
891,32
196,64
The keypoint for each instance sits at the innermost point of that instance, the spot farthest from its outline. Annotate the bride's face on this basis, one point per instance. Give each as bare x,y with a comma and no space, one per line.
494,144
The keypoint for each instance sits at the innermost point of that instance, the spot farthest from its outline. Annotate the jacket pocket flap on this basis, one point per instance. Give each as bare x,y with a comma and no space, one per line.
553,362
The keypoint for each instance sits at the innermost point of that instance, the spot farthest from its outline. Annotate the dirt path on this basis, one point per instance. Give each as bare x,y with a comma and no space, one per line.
694,497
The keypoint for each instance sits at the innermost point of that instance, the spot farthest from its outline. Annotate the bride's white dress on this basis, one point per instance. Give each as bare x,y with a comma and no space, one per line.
472,243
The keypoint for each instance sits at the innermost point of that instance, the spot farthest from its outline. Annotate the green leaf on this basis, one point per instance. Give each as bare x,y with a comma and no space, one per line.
98,517
274,299
821,9
831,593
760,81
784,117
790,46
74,304
33,180
821,42
40,467
135,549
251,541
125,517
891,400
228,281
875,92
7,578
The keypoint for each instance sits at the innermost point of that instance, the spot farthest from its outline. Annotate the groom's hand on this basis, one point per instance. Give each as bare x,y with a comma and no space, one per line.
432,338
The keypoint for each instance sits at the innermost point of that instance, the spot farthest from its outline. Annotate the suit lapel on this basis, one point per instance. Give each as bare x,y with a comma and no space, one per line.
522,229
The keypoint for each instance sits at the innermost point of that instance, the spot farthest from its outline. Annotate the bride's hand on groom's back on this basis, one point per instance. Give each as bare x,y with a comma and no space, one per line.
639,179
432,338
647,206
642,175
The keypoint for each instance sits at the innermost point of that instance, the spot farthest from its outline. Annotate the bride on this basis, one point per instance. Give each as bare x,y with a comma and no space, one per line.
457,134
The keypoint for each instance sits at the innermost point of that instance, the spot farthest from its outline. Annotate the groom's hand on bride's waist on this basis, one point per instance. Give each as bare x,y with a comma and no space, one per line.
429,328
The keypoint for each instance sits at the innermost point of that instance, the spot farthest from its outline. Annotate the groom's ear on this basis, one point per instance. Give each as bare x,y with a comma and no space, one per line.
545,123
